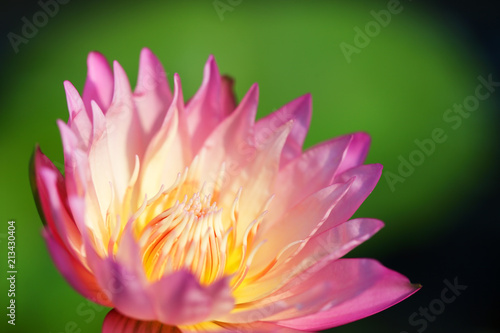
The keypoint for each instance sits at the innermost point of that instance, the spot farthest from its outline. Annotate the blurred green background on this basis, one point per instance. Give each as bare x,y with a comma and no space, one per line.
439,221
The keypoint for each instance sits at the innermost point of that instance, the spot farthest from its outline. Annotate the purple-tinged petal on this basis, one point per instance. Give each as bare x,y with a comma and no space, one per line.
181,300
126,290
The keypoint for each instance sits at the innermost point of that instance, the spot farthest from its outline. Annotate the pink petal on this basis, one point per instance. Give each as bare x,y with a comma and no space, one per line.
298,110
279,305
166,154
123,131
103,177
297,225
364,178
51,194
99,84
361,287
316,169
204,109
152,94
74,272
232,142
77,174
319,250
356,152
255,178
79,120
75,161
331,244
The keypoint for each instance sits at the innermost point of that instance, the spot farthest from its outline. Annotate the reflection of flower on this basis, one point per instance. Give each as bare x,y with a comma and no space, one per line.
192,215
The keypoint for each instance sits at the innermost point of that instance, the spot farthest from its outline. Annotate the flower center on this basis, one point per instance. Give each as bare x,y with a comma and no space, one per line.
182,237
183,228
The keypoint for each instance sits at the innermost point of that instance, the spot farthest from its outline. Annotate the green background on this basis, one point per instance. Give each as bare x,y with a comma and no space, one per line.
397,89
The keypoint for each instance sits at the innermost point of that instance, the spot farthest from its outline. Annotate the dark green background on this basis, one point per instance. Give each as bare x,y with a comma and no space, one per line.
440,223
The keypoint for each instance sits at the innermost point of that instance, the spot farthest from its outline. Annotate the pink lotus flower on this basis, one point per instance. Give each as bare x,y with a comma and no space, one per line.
192,217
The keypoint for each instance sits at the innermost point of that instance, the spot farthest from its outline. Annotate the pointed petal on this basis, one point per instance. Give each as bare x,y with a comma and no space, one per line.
362,287
330,245
281,305
316,169
204,110
99,84
232,142
123,131
75,164
79,120
152,94
165,156
319,250
101,172
356,152
298,110
255,178
297,225
364,178
51,194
